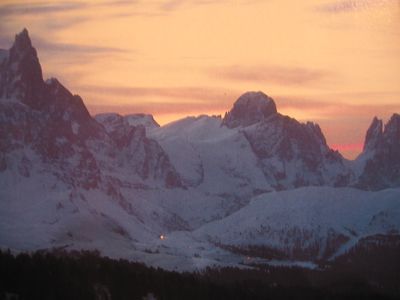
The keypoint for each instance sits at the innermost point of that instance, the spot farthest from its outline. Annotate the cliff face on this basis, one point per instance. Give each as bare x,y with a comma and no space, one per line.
380,159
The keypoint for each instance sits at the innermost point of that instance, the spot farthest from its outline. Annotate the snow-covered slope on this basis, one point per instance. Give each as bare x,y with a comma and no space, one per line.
307,223
212,158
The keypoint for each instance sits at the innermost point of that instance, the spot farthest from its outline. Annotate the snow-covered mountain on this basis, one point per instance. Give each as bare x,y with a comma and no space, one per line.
290,154
252,150
212,158
46,117
210,186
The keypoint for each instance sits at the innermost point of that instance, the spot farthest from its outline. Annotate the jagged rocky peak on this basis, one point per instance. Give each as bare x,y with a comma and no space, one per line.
60,102
250,108
392,128
378,135
23,41
316,130
381,155
145,155
374,134
111,121
21,74
146,120
21,80
119,129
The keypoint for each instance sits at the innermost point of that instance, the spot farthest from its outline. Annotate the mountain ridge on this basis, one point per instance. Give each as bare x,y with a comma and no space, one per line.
118,183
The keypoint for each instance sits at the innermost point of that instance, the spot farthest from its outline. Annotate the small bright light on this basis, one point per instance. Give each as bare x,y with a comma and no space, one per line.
162,237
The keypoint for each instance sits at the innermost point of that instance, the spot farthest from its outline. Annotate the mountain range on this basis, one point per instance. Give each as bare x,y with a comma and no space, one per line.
253,186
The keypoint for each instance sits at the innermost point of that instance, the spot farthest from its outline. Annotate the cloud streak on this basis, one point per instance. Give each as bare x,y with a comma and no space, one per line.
172,5
225,97
174,102
347,6
49,8
203,99
270,74
335,109
205,96
175,4
39,8
68,49
75,48
72,55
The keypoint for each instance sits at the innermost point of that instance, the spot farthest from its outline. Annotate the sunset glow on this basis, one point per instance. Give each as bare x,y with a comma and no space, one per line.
336,63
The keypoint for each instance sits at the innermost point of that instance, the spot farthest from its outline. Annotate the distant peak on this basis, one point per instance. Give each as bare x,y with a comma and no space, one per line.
24,33
146,120
253,97
22,40
392,127
250,108
395,118
21,75
374,134
377,123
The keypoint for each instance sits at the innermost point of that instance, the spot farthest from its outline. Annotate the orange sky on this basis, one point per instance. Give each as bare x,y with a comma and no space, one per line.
333,62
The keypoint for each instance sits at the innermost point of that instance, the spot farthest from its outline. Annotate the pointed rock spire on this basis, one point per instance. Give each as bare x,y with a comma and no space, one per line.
392,129
23,41
374,134
21,73
381,155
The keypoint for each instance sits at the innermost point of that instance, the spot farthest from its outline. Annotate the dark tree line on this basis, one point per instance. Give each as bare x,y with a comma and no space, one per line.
87,275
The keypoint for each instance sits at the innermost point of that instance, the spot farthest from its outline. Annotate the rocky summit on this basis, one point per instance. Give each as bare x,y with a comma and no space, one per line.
250,108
